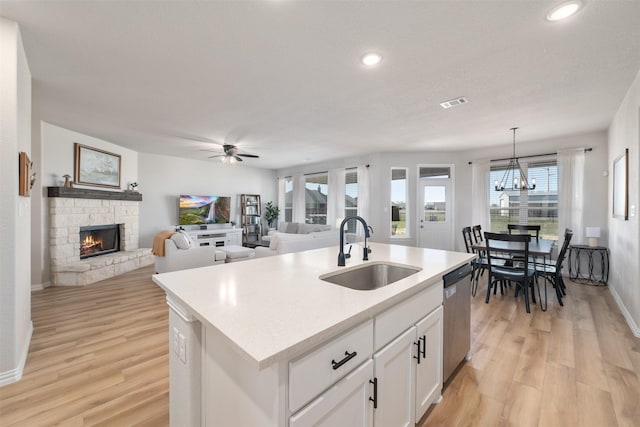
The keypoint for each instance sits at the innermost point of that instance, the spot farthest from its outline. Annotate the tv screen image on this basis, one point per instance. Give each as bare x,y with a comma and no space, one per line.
204,210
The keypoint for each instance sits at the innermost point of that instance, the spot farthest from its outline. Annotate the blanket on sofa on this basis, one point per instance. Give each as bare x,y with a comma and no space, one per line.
158,242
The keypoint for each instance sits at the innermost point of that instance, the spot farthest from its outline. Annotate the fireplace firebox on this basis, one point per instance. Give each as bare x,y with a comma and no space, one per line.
98,240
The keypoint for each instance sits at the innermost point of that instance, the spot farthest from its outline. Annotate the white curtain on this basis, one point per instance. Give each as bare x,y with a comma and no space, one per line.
571,193
299,193
480,189
335,201
364,198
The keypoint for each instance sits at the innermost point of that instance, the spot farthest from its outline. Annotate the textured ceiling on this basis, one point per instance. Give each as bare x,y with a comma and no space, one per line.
282,79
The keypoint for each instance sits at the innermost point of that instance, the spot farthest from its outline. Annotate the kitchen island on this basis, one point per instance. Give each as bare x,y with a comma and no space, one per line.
248,341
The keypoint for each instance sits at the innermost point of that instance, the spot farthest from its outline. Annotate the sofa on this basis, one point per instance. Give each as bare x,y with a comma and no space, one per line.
295,228
284,243
181,255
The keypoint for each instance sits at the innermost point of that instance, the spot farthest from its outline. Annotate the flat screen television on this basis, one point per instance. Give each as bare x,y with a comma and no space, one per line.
204,210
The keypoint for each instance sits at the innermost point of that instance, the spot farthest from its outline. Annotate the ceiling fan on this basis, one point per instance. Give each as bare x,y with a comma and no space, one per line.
231,154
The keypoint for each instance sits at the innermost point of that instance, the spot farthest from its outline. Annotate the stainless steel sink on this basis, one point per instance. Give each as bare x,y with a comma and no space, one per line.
370,276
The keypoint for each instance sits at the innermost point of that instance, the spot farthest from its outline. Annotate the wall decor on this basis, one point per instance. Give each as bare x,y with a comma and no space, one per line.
96,167
24,171
621,186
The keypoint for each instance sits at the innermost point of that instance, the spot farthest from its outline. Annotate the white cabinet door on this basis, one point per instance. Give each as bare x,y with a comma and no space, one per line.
394,371
429,370
345,404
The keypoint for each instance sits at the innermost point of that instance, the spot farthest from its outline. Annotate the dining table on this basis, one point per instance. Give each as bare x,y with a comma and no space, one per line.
539,249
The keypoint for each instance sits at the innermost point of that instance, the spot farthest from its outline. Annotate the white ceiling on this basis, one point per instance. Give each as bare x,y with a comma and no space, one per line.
282,79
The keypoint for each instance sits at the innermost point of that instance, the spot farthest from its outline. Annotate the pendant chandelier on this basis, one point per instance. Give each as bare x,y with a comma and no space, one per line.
514,177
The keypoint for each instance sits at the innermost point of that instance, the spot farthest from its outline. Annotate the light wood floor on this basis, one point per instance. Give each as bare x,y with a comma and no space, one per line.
99,356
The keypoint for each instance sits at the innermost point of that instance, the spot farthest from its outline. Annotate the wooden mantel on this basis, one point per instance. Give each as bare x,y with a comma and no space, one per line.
84,193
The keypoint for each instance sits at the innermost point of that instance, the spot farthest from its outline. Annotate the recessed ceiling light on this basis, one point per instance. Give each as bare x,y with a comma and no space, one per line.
371,59
564,10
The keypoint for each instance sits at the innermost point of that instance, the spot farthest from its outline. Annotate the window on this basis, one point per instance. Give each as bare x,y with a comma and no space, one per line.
315,198
535,207
430,172
435,206
351,198
399,202
288,199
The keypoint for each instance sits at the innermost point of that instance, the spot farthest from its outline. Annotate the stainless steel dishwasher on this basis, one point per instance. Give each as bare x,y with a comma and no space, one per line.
457,318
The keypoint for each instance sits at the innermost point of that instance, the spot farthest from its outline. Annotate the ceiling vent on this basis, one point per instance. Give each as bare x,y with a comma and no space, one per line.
453,102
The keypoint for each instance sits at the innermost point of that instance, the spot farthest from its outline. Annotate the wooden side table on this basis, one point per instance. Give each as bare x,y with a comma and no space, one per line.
595,256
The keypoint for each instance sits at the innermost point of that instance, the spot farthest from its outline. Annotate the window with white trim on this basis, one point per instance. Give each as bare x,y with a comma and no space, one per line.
534,207
288,199
315,198
399,202
351,198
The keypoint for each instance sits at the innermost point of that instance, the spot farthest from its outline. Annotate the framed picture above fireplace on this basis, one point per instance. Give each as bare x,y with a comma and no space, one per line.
96,167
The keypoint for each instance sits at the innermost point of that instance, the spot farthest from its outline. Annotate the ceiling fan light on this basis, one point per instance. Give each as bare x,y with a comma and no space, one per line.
564,10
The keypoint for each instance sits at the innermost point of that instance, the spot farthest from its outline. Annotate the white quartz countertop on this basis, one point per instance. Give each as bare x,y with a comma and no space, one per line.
271,309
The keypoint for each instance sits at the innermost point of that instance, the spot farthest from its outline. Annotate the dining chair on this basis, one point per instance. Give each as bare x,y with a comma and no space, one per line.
525,229
518,273
477,233
553,271
478,265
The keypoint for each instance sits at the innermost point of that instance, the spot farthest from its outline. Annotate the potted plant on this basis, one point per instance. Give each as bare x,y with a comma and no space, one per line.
271,213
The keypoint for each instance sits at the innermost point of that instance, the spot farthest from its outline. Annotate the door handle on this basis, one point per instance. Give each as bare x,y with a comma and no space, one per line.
424,346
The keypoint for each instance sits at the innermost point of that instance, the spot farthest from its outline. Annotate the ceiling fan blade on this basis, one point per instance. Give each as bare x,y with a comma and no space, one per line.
237,158
249,155
219,155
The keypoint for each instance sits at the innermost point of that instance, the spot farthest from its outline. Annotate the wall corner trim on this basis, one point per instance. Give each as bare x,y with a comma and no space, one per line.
627,316
9,377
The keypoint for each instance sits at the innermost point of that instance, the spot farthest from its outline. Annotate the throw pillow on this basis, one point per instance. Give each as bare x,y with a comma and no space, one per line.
292,227
181,240
188,237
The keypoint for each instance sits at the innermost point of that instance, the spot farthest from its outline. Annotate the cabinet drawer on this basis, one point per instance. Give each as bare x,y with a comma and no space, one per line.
314,372
394,321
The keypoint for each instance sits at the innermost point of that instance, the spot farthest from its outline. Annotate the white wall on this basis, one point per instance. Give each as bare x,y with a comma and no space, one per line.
55,158
624,236
596,168
15,220
381,164
162,179
58,153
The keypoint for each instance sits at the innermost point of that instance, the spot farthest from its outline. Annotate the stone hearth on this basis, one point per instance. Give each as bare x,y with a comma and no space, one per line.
68,211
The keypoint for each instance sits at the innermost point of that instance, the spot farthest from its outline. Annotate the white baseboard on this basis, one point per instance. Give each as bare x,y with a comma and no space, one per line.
39,286
627,316
15,374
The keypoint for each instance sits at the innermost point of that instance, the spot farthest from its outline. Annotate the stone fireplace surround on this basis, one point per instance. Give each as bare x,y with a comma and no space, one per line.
71,208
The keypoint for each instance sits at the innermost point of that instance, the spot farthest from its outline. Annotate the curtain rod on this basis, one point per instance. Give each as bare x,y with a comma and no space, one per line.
586,150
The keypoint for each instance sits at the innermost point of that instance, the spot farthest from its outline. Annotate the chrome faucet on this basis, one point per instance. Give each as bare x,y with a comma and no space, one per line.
341,257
